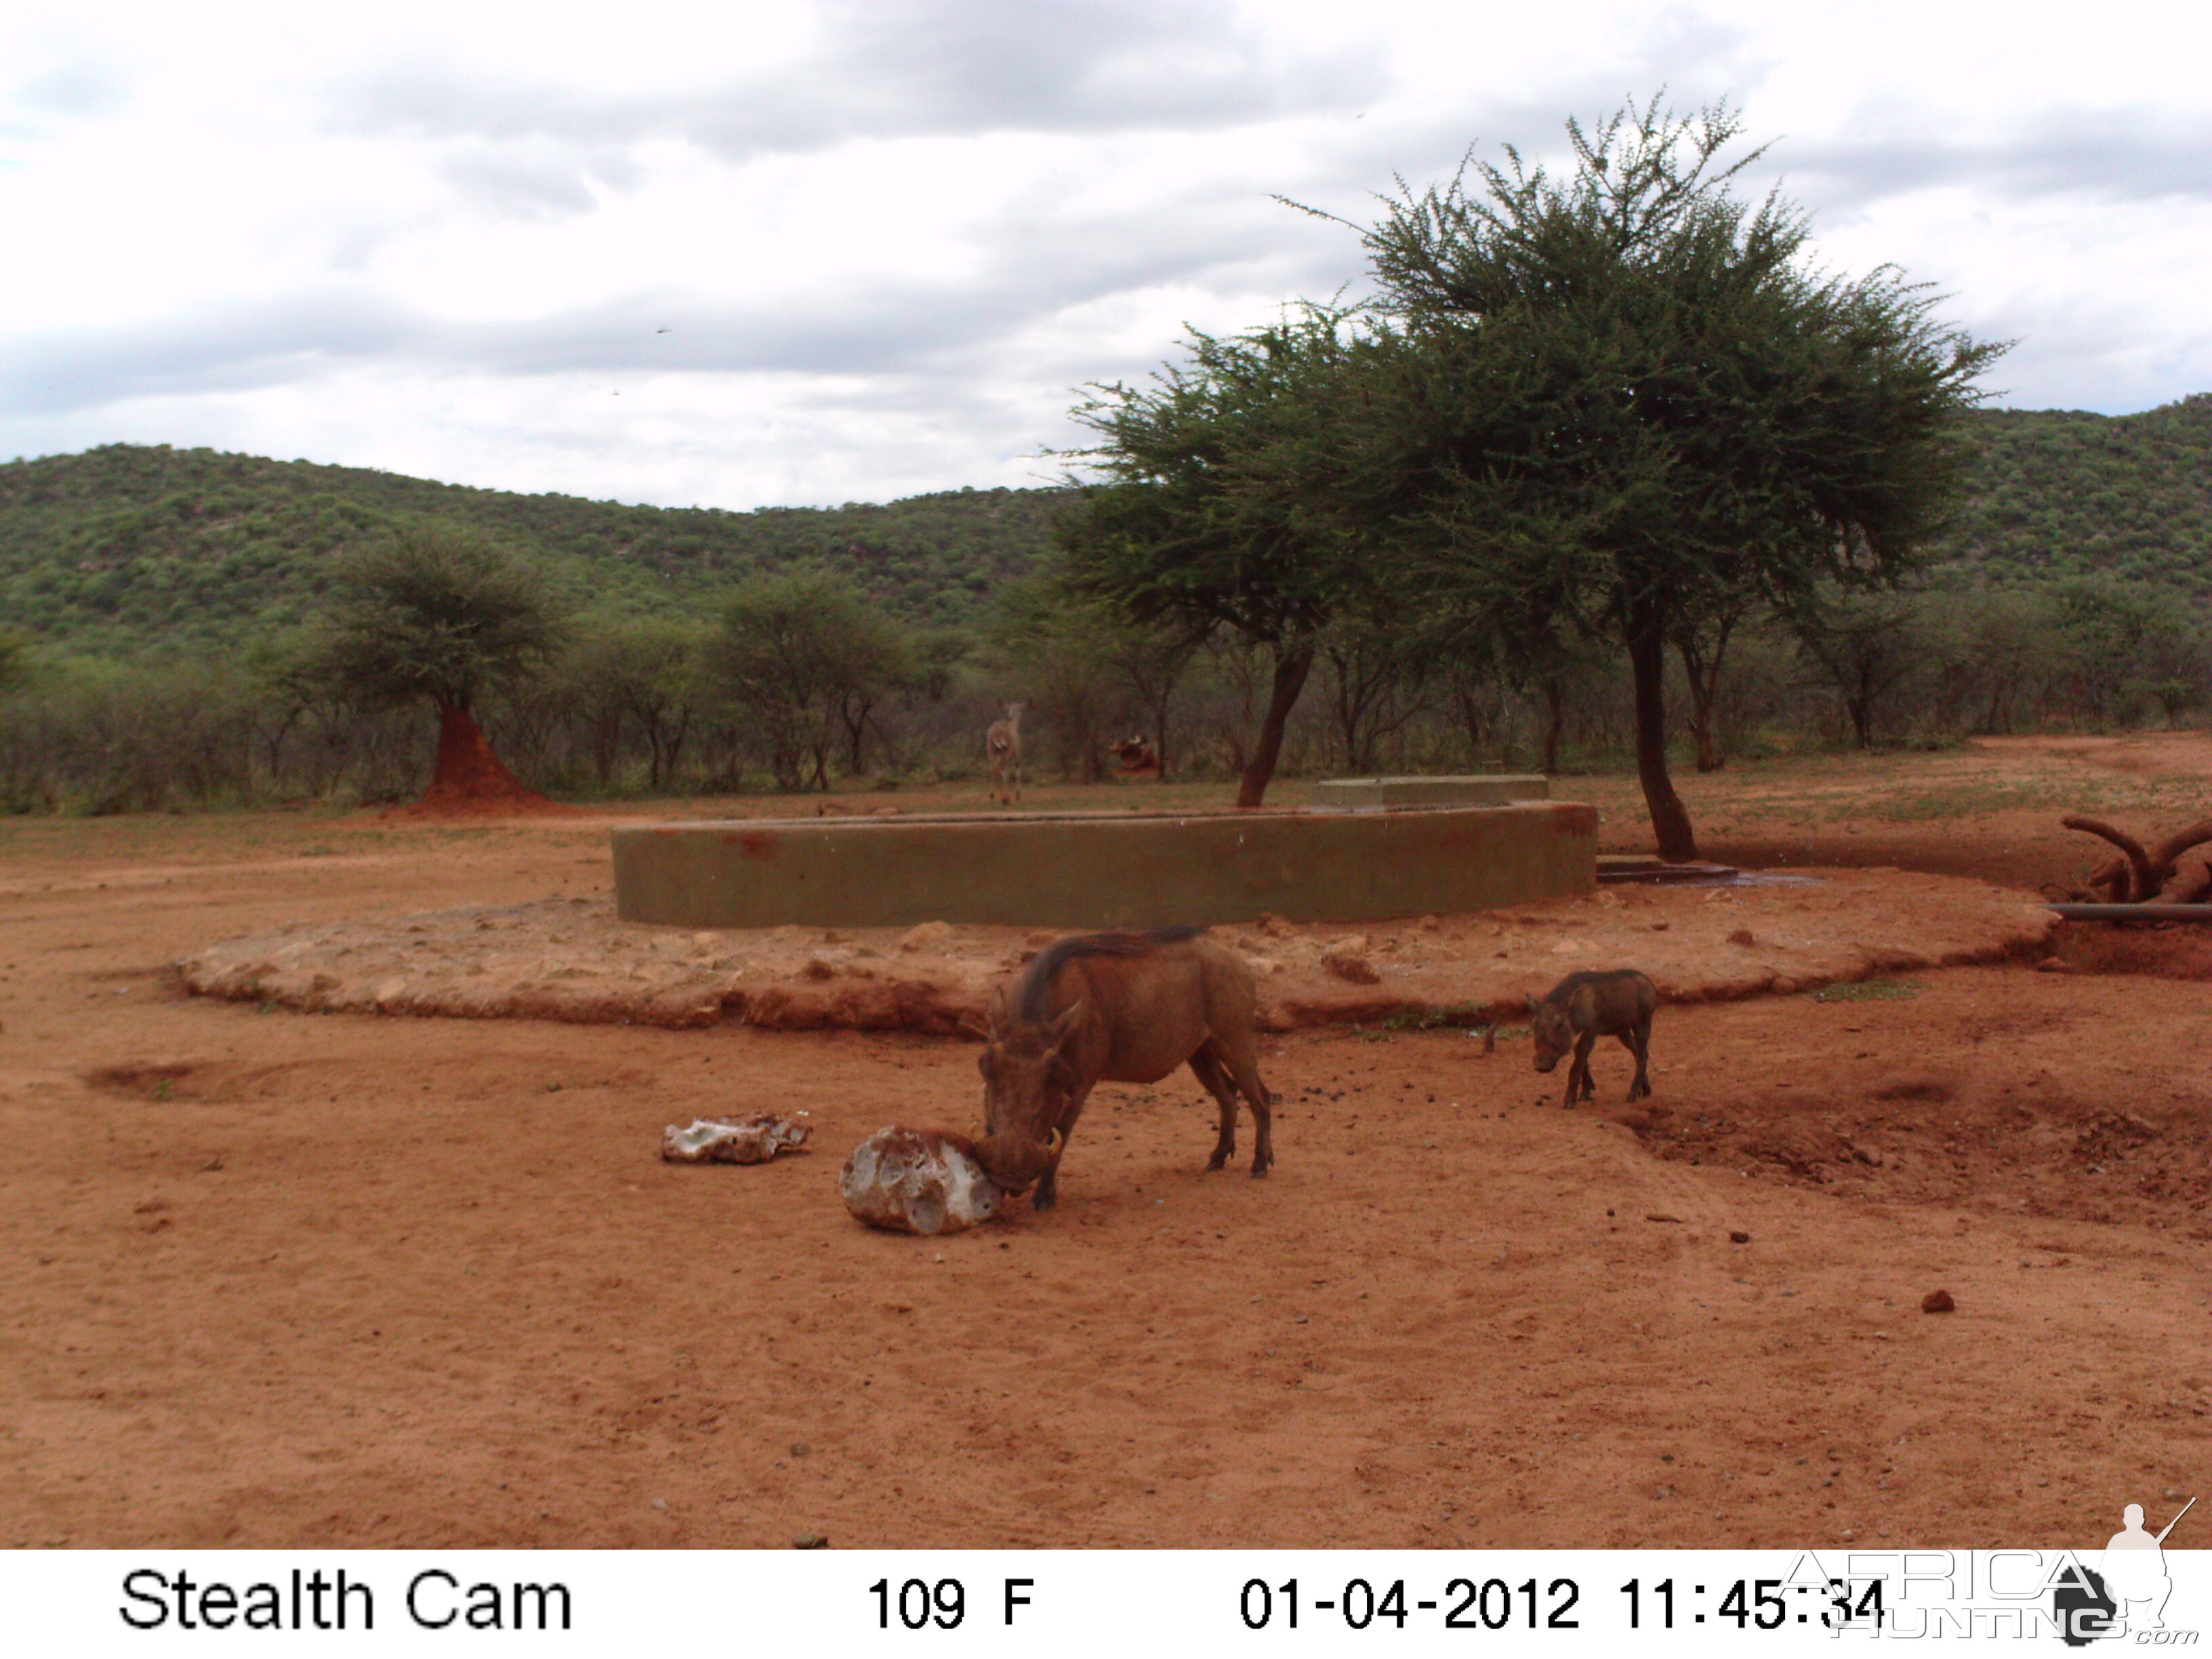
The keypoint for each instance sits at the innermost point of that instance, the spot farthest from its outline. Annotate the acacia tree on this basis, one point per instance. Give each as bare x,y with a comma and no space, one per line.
1087,670
1628,400
641,675
1230,495
805,657
1701,631
442,615
1868,645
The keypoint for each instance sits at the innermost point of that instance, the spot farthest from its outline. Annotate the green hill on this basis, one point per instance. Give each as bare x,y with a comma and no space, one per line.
2053,493
127,547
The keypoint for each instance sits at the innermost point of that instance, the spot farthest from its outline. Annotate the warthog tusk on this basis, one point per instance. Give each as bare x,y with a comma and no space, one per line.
1052,1143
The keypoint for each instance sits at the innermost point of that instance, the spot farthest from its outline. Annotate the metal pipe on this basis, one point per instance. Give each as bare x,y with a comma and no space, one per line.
2132,912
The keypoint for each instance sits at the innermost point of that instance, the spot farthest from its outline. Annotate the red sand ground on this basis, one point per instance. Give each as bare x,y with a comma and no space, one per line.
284,1279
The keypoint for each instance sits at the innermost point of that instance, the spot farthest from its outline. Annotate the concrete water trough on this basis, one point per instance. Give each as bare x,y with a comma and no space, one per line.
1470,789
1103,869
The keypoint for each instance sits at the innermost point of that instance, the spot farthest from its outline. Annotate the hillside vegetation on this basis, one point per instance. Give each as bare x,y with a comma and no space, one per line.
127,546
158,638
2054,494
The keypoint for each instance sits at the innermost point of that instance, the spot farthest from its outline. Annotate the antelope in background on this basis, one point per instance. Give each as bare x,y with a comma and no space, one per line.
1003,743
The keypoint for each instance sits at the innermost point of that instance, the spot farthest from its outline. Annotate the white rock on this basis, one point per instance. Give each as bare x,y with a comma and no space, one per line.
928,936
751,1140
916,1180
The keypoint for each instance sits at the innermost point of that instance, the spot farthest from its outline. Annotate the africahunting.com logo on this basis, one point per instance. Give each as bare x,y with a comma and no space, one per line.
2000,1595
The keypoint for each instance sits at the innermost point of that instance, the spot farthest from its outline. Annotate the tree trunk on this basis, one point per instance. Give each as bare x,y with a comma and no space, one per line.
1701,733
1160,728
1647,658
468,773
1704,674
1291,668
1861,711
1555,723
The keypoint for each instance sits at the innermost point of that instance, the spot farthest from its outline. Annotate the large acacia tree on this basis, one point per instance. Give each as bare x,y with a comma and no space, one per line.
1627,401
439,614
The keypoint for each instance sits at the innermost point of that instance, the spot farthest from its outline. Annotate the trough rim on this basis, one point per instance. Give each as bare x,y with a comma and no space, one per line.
1231,814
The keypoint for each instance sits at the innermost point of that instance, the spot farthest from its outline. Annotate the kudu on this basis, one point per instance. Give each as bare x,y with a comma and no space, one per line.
1003,743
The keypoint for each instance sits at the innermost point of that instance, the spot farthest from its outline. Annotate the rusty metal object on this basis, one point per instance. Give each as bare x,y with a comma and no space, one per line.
2132,912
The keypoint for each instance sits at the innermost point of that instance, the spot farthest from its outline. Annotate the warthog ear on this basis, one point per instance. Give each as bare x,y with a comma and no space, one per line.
1064,1027
1533,1004
998,1012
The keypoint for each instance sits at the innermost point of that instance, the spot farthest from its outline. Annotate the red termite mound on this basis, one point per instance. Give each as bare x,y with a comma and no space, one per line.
470,782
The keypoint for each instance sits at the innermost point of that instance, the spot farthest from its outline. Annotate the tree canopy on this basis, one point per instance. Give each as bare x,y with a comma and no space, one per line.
1626,399
438,613
1229,495
1619,402
809,656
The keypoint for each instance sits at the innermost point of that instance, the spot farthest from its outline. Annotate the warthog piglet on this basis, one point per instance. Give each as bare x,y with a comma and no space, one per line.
1585,1006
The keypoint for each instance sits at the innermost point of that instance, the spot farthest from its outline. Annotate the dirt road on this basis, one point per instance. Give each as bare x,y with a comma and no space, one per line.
283,1279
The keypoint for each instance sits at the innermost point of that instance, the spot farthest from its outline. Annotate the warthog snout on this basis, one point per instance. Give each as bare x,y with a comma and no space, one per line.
1015,1162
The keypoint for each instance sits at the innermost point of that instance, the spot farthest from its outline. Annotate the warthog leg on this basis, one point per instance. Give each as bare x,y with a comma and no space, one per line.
1579,1084
1215,1077
1637,1040
1225,1077
1048,1187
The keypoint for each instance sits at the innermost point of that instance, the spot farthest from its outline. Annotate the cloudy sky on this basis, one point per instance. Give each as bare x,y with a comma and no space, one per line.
850,250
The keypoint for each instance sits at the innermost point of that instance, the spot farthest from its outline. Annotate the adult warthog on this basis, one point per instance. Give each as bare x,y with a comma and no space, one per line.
1118,1008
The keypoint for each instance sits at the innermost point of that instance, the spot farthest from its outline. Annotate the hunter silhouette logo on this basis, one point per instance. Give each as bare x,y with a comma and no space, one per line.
2128,1597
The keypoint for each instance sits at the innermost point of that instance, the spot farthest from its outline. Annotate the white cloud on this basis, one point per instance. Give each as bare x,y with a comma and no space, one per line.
849,250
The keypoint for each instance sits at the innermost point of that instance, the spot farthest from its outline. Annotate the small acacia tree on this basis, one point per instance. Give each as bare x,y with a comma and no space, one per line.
803,657
1231,494
441,614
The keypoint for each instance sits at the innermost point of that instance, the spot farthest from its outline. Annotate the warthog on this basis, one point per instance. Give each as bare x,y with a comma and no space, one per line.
1119,1008
1585,1006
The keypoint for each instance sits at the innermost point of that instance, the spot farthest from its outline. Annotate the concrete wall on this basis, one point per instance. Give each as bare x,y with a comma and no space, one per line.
1104,870
1480,789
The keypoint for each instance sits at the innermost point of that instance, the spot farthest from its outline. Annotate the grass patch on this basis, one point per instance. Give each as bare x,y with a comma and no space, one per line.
1435,1019
1970,801
1869,990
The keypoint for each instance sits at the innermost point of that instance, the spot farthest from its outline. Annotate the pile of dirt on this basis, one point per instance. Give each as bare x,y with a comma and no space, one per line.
2059,1155
470,782
572,959
2164,949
